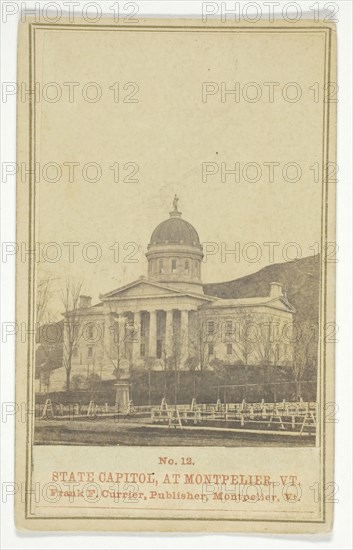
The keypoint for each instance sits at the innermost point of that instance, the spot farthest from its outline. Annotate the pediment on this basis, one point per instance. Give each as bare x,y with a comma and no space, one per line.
282,303
279,302
140,289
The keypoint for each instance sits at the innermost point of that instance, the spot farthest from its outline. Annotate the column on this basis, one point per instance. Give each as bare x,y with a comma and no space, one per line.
136,336
184,336
169,333
152,334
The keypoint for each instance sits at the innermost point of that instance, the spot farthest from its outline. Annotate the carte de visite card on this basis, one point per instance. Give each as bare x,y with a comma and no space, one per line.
175,276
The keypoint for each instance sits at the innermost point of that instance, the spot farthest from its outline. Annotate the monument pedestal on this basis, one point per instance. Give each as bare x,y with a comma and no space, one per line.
122,396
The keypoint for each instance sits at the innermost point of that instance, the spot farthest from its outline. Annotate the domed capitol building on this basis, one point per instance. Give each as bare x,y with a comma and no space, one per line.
166,316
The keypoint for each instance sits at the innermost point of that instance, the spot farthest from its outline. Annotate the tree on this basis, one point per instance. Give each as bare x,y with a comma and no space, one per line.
220,369
266,349
165,367
44,296
114,347
244,343
263,341
304,354
204,336
149,363
192,363
48,334
175,344
70,296
49,351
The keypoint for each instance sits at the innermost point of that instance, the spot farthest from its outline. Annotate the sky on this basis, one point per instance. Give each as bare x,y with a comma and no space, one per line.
162,121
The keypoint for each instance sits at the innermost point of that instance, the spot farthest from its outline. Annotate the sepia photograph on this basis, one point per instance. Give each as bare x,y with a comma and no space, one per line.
168,359
175,292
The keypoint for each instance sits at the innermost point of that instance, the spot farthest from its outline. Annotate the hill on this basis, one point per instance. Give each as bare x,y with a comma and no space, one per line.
300,280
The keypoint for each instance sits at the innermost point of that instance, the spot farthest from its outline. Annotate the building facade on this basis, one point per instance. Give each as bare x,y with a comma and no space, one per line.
165,317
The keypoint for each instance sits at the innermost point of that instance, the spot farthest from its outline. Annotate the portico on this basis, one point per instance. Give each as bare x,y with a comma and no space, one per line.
149,319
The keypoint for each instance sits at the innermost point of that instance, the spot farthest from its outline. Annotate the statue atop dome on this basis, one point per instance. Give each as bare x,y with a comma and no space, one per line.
175,212
175,203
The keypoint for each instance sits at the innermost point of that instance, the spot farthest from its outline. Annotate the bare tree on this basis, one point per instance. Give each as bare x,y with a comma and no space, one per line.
48,333
174,355
149,364
267,349
304,354
192,363
207,334
70,296
49,353
244,339
173,359
263,341
220,369
115,349
243,342
119,348
44,296
165,367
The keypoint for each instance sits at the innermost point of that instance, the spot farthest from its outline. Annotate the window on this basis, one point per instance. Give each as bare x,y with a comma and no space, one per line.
228,331
89,352
210,349
211,327
151,267
187,267
142,350
75,352
229,349
196,268
90,332
159,349
160,266
174,266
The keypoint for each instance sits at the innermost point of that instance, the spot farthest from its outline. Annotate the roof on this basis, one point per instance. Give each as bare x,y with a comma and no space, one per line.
256,301
175,230
96,309
156,284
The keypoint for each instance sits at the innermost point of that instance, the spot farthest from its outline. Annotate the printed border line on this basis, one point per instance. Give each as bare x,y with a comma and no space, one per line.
31,278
